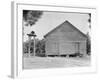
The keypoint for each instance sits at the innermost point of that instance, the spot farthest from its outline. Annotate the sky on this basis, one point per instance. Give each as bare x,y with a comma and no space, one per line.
50,20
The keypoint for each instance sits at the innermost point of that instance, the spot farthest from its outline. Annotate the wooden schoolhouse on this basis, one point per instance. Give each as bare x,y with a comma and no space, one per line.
65,39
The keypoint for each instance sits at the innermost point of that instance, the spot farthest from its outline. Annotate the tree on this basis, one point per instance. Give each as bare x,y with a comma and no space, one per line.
88,44
89,20
25,47
30,17
40,48
88,36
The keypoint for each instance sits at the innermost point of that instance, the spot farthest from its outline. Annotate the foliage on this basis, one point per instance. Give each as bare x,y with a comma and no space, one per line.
30,17
25,47
39,47
88,44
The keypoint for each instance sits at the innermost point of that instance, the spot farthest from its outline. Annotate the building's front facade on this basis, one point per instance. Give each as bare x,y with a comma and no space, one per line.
65,40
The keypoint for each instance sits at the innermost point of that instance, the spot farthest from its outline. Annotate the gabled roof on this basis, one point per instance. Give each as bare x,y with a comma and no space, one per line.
61,26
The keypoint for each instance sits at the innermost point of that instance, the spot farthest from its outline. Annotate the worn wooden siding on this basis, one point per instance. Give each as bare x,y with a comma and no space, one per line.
67,48
52,44
83,48
62,41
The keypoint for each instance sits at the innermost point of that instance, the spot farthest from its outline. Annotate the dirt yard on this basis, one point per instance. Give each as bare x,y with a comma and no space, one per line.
54,62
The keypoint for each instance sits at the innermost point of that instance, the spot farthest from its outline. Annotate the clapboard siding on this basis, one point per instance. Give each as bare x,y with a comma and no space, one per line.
63,40
83,48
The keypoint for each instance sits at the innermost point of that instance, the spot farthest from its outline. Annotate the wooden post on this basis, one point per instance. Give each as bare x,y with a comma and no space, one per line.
34,46
29,46
32,34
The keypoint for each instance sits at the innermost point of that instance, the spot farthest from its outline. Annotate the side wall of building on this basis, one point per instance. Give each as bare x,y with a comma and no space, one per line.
64,41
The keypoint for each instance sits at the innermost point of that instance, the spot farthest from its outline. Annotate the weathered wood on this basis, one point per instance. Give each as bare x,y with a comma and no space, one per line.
64,40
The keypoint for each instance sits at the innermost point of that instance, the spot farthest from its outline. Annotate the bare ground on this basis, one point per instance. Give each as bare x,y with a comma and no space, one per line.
54,62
